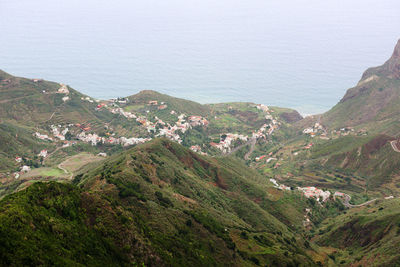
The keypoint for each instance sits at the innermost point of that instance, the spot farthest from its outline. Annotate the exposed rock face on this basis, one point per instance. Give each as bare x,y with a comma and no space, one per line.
391,68
291,117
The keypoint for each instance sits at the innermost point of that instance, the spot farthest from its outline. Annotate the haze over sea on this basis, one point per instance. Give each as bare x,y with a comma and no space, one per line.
302,54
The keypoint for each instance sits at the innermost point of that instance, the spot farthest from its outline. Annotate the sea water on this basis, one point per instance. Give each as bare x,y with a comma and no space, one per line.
302,54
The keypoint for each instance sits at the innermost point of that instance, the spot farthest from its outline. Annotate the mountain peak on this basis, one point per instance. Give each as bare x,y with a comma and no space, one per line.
396,52
392,66
390,69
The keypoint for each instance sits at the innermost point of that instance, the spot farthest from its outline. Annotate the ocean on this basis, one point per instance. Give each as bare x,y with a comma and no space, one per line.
302,54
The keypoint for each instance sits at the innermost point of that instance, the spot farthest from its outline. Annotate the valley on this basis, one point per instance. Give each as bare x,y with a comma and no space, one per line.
154,180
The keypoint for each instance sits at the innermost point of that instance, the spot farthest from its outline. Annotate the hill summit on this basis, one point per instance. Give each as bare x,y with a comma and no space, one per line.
391,68
373,101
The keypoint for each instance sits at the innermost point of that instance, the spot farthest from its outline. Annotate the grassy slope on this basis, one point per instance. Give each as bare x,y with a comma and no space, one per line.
367,236
174,188
139,102
374,103
18,141
23,102
47,225
159,204
369,158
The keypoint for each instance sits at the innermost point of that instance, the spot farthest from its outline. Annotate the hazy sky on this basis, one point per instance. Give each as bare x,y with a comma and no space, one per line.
297,53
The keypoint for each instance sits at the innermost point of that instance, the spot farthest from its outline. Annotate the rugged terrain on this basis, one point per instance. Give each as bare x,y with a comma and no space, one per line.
161,181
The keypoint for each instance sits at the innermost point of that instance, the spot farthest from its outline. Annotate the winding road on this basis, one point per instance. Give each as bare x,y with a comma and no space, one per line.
65,170
394,146
252,142
347,199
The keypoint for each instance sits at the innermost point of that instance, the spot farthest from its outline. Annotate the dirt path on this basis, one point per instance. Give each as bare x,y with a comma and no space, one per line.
49,155
13,99
50,117
65,170
253,142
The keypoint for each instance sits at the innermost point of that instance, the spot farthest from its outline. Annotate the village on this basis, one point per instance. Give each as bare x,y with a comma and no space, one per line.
310,192
318,130
66,135
227,139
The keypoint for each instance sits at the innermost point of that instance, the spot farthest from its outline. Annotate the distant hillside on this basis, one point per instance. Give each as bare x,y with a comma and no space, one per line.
17,141
371,157
176,104
34,102
375,101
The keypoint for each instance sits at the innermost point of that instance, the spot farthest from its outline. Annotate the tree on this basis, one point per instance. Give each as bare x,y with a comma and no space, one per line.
68,136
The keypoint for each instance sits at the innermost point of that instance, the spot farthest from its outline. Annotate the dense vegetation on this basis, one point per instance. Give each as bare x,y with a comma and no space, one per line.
47,225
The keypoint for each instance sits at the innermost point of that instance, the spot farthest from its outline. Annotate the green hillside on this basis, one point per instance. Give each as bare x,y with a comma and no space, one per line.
18,141
47,224
159,204
374,103
179,105
366,236
115,191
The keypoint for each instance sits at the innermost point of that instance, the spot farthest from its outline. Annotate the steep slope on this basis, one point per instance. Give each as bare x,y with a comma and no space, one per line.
17,141
47,224
366,236
355,137
161,204
227,203
375,159
374,103
35,102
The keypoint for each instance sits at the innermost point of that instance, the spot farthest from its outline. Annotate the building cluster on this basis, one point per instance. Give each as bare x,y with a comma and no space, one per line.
57,133
183,124
263,107
121,112
308,192
225,143
63,89
88,99
260,158
308,146
195,148
132,141
279,186
43,153
162,105
349,131
24,169
197,121
42,136
314,192
315,129
94,139
266,130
